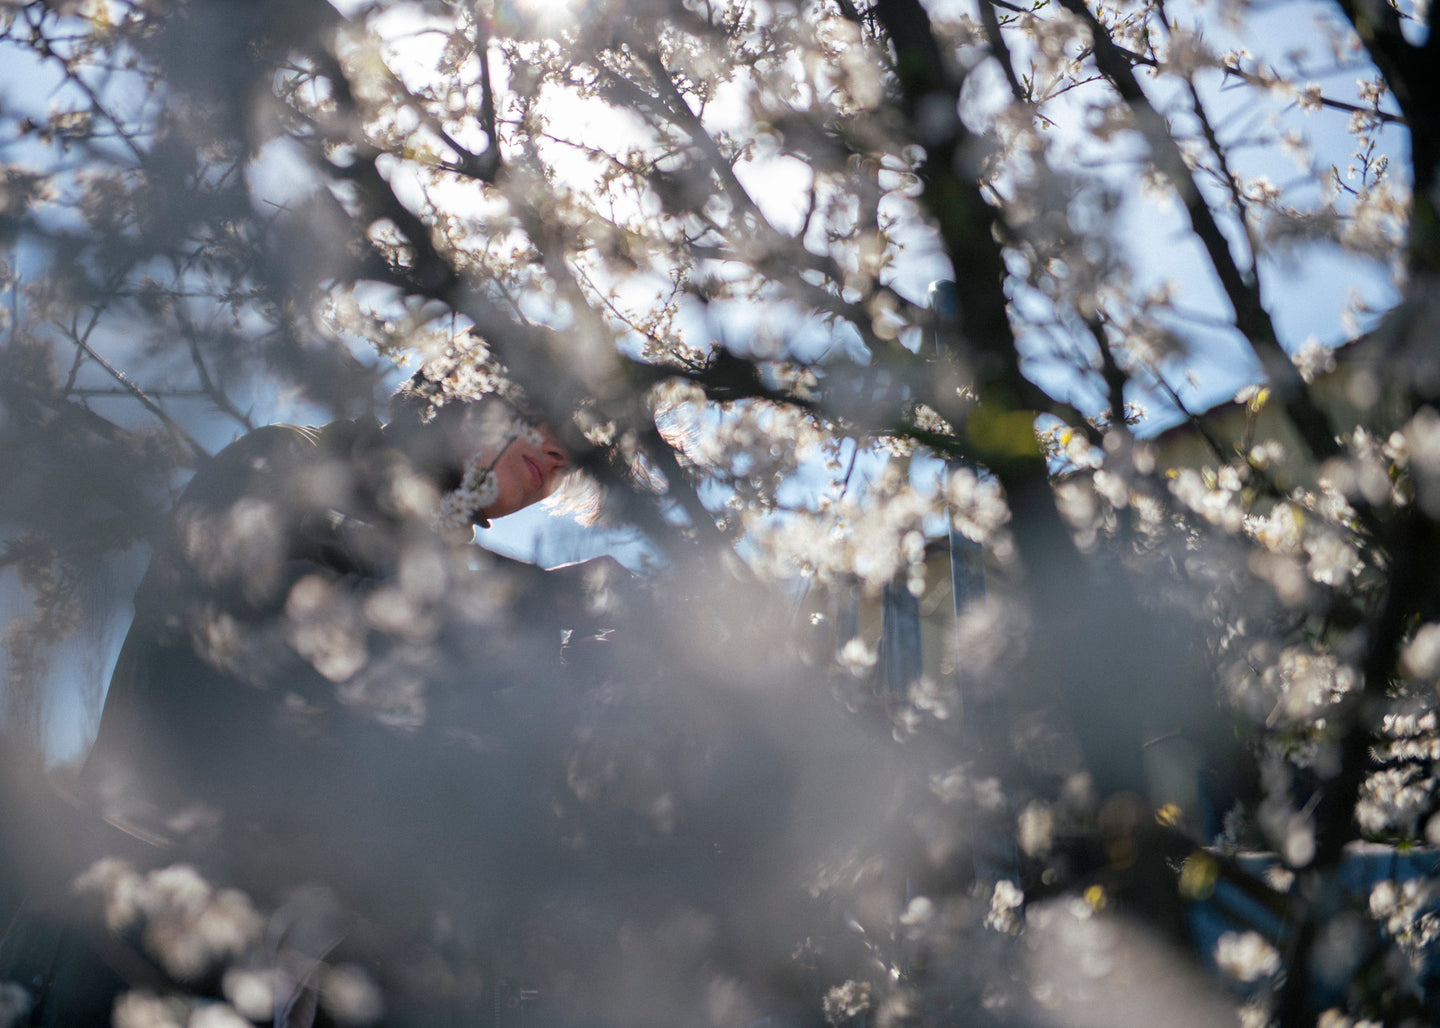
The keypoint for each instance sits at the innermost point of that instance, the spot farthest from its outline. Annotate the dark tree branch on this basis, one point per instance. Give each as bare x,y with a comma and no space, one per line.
1413,76
981,334
145,401
1251,271
1411,590
1251,78
1000,50
491,157
208,388
1251,317
671,107
1115,379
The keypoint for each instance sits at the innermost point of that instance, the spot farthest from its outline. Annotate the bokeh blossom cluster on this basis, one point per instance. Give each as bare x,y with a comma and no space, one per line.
904,334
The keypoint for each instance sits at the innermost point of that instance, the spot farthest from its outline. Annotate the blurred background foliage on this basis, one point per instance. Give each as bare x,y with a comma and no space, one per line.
705,233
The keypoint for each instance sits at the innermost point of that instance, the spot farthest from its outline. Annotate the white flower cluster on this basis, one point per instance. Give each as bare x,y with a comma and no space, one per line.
1416,448
1407,911
1246,956
1392,800
1421,656
144,1009
1365,471
844,1002
1313,359
1293,692
979,511
1310,97
1005,903
325,628
478,489
464,371
852,66
1306,538
189,926
1336,1018
877,537
1035,828
1085,510
1188,52
1212,494
957,785
938,699
857,658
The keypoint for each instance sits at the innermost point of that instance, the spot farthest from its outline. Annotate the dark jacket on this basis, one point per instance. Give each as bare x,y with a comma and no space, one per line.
318,690
309,659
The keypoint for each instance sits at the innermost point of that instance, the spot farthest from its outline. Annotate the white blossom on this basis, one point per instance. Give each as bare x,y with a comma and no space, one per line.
1246,956
1005,900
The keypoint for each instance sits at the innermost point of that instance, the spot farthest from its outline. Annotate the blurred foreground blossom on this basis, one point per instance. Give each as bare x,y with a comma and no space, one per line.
1080,644
846,1001
185,923
1095,970
1246,956
15,1004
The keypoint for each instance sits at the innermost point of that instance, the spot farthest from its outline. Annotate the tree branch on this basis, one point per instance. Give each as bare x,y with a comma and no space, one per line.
1251,317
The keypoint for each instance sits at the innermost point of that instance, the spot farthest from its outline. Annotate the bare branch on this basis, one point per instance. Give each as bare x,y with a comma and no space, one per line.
1000,49
1251,316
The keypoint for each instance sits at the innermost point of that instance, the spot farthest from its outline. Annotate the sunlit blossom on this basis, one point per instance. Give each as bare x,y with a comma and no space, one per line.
1246,956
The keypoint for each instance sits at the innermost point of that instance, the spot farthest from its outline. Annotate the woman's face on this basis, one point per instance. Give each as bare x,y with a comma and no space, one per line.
527,470
527,461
